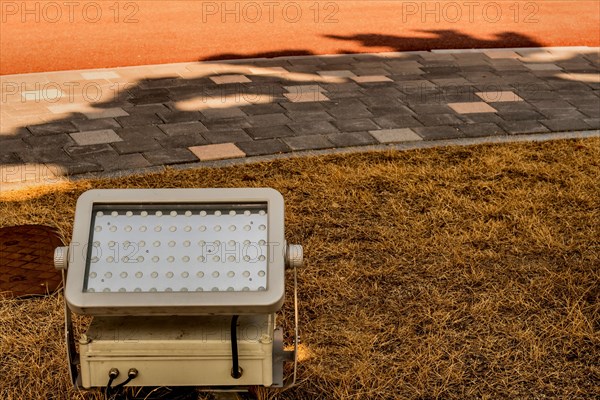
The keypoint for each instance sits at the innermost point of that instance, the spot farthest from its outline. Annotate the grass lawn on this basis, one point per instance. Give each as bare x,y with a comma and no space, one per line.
454,273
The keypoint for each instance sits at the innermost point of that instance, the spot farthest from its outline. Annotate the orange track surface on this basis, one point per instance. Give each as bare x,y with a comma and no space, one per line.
61,35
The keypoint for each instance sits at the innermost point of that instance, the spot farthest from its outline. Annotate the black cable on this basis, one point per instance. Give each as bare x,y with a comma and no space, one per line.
107,391
236,371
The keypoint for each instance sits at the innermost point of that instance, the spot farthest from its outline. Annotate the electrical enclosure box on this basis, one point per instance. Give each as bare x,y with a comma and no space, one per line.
178,351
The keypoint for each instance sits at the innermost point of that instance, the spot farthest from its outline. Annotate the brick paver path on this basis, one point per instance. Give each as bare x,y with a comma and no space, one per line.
80,122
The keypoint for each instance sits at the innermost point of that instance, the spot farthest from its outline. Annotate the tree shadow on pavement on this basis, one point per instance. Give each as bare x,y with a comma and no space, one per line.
279,105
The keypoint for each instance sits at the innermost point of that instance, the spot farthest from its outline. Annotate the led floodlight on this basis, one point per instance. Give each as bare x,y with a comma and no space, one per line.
145,261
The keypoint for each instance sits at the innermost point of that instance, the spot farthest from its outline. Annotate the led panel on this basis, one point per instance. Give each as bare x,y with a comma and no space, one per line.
177,251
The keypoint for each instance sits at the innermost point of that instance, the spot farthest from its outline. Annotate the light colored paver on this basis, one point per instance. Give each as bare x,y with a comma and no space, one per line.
217,152
97,113
472,107
95,137
268,71
395,135
495,54
371,79
337,74
49,94
69,108
543,67
306,97
500,96
226,79
100,75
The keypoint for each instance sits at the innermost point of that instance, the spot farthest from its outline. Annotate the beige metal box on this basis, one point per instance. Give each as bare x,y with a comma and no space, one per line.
178,350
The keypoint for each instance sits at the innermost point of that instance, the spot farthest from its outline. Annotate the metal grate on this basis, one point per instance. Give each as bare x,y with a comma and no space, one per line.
26,260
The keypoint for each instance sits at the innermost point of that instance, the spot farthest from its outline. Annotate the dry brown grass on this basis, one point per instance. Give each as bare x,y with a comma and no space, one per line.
451,273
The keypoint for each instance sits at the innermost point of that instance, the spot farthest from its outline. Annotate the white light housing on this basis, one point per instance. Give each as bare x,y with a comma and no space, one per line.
177,252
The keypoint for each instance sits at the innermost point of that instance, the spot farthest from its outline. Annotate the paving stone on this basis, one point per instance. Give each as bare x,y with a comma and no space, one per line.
139,145
112,112
96,124
259,109
226,79
472,107
393,121
312,128
550,104
149,99
337,73
308,142
371,78
53,128
592,112
374,74
523,127
299,89
170,156
269,132
56,141
593,123
182,128
347,139
269,120
439,119
9,158
237,135
91,151
45,155
481,129
14,145
501,54
95,137
481,118
562,113
139,120
306,97
395,135
78,167
183,140
146,109
438,132
520,115
512,106
123,162
302,116
217,152
179,116
263,147
140,133
428,109
499,96
303,107
219,113
227,124
355,125
565,125
534,94
542,67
